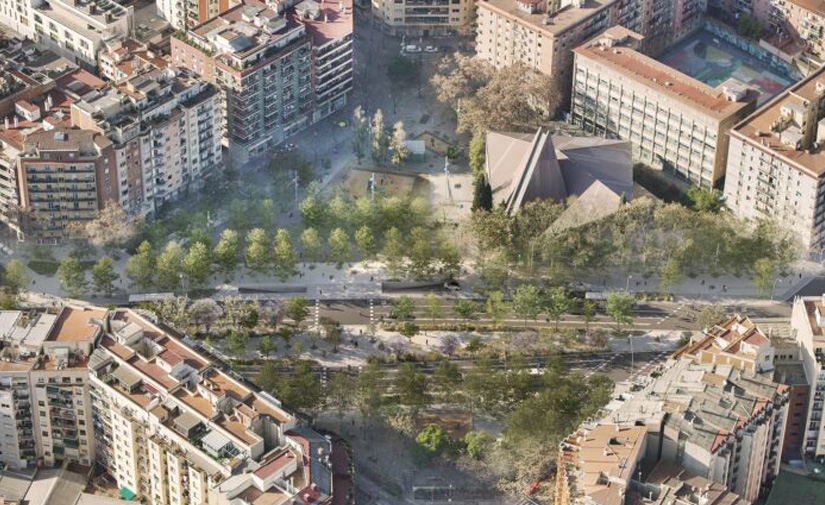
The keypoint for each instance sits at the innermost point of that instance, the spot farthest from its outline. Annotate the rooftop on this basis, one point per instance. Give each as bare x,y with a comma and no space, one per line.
75,324
556,23
775,127
332,22
612,48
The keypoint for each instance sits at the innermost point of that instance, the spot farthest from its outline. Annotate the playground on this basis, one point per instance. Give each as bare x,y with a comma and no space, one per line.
358,182
713,61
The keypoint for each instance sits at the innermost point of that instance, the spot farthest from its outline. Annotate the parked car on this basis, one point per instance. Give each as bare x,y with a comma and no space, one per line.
430,49
412,48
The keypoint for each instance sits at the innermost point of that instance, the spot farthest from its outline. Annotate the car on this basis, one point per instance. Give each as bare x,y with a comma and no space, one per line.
452,286
430,49
412,48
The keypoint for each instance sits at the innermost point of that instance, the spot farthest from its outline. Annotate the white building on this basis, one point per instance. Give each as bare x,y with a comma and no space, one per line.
77,29
17,15
776,162
807,323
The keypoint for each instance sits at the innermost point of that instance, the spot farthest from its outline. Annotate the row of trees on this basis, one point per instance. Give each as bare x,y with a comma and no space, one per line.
528,303
373,135
645,237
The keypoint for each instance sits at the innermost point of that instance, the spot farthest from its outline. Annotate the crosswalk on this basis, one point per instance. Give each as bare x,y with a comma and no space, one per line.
649,367
317,315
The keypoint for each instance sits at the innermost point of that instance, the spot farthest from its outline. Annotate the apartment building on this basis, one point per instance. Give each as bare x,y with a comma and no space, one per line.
807,322
606,464
423,18
174,428
77,29
674,122
543,33
17,15
165,130
184,14
271,65
64,177
715,422
125,58
776,163
44,384
737,342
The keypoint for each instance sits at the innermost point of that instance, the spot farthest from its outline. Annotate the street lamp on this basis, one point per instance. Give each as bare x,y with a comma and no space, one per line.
627,284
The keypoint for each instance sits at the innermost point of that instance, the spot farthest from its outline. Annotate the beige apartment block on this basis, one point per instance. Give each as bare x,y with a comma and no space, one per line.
776,163
424,17
674,122
807,323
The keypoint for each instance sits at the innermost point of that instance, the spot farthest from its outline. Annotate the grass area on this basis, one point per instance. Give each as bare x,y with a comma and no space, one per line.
792,489
44,267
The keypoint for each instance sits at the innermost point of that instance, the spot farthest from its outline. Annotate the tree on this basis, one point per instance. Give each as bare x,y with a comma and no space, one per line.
477,443
558,303
297,309
15,278
365,241
749,26
360,133
140,268
312,210
169,266
620,308
433,306
266,346
496,307
333,331
380,142
393,251
370,389
341,392
311,244
409,329
197,265
449,257
432,441
446,379
238,339
72,276
671,274
482,194
711,315
465,309
284,258
339,247
477,154
764,276
398,146
226,253
257,251
104,276
240,312
411,386
527,302
588,313
403,309
706,199
420,252
111,226
205,312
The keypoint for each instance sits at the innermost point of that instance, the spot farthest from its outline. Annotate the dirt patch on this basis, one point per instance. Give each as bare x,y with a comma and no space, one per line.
357,183
456,424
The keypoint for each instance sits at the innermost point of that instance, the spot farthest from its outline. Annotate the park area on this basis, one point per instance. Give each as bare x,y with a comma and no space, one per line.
713,61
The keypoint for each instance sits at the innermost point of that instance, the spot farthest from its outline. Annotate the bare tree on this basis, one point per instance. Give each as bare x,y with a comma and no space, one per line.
112,226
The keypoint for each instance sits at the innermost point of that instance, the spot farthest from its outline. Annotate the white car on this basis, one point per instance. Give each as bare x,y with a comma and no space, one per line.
412,48
430,49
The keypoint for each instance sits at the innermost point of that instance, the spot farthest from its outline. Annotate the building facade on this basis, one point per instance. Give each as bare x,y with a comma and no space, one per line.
674,122
64,177
423,18
543,33
77,29
775,162
807,322
277,70
165,130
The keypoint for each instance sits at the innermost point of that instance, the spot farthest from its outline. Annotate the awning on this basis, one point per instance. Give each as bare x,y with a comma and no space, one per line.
126,494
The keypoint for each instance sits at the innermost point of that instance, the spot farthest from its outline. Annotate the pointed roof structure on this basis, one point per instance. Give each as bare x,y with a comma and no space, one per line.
523,167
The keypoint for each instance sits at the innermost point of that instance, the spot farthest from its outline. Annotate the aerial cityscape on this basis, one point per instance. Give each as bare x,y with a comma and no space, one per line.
412,252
